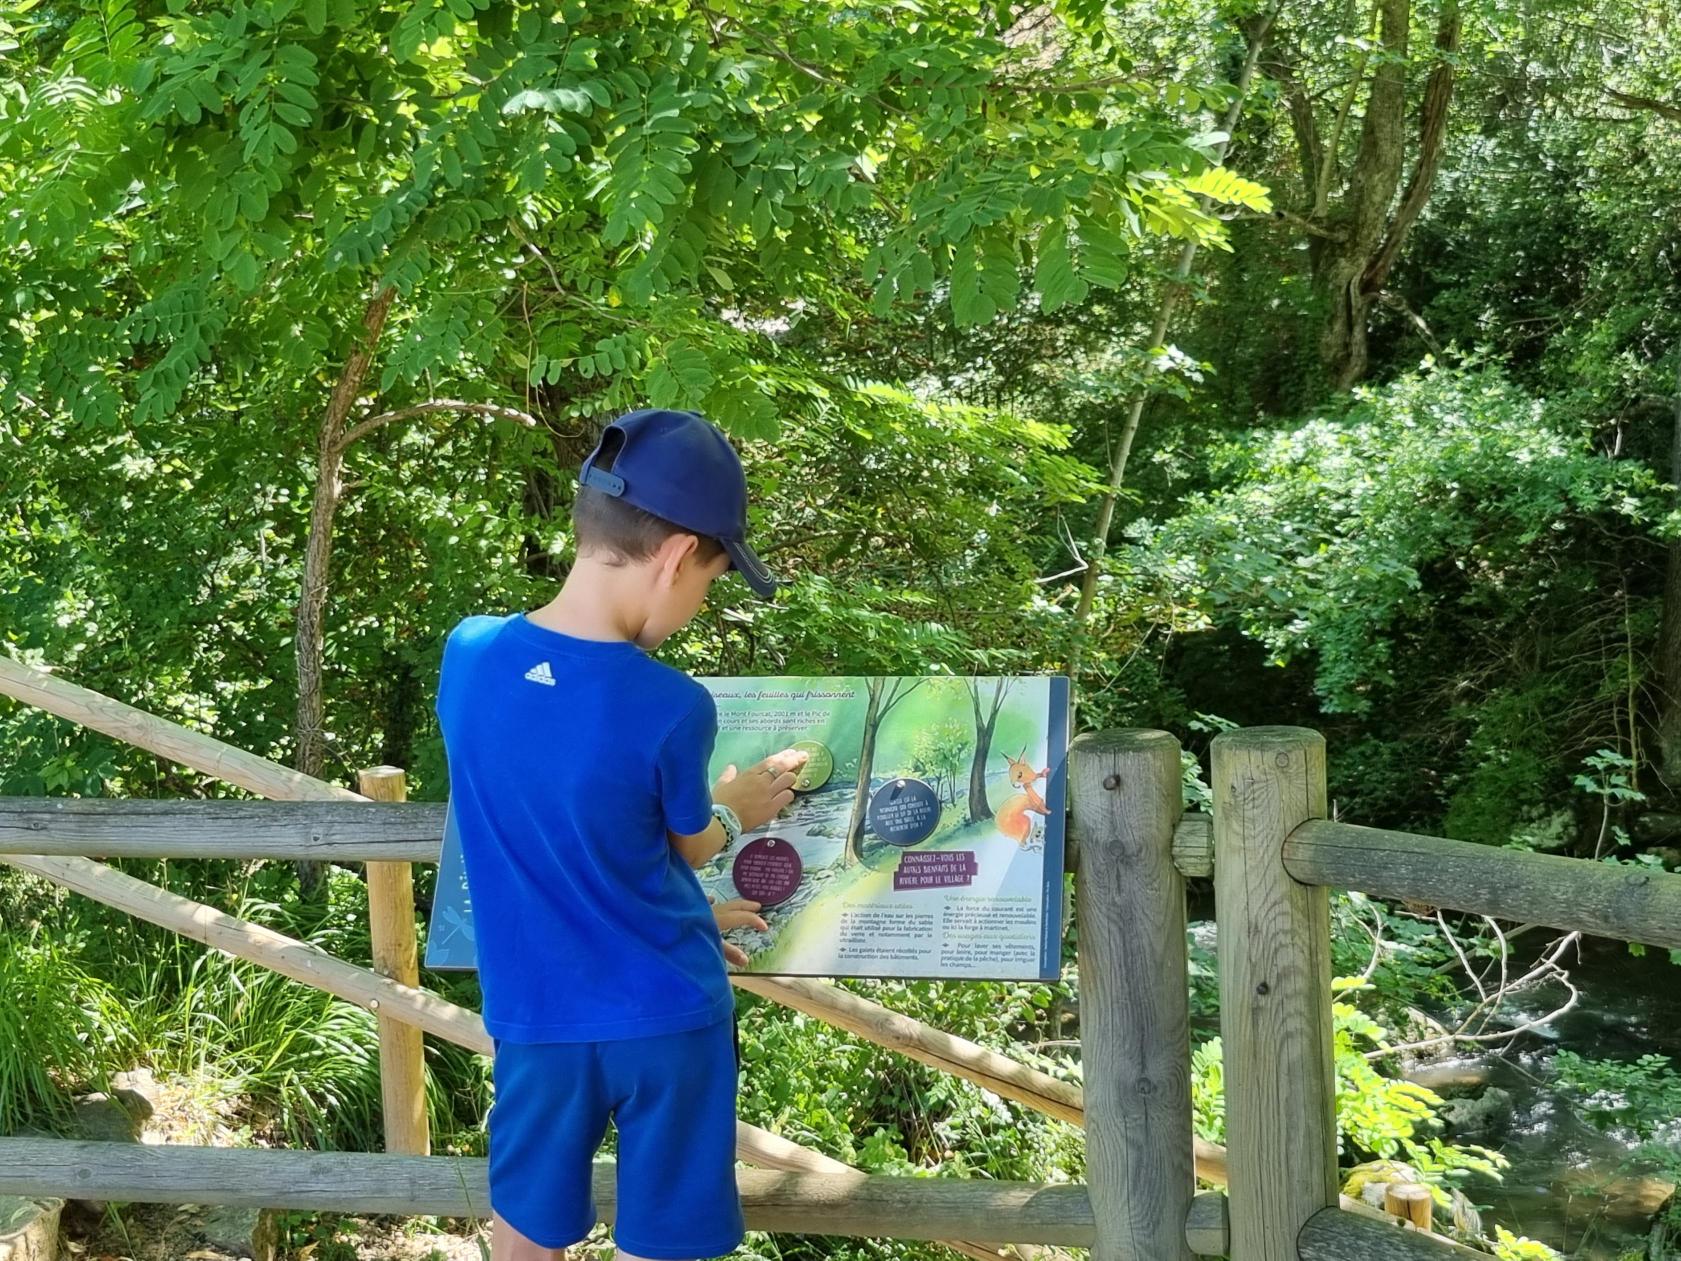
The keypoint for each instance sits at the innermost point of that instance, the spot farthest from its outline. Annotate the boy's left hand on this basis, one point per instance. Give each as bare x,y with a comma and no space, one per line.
737,913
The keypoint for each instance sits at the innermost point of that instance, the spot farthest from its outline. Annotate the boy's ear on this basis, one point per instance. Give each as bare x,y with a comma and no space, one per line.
674,552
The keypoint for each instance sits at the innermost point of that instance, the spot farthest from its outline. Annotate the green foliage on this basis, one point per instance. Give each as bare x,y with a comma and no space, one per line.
1312,552
1435,549
1638,1099
1510,1247
1377,1116
817,1085
60,1027
303,1066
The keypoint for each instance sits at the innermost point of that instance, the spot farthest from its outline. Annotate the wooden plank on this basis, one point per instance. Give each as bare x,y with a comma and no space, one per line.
1207,1230
1411,1202
396,954
313,966
339,831
1275,991
1626,903
321,829
45,690
848,1203
1193,846
921,1042
270,779
1134,983
1338,1234
245,940
951,1054
412,831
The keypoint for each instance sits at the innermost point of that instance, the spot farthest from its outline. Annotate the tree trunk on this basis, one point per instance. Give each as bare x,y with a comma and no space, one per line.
1363,237
979,808
310,637
1360,219
866,764
1669,633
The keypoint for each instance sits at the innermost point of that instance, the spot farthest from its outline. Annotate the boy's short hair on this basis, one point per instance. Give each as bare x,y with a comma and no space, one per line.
603,523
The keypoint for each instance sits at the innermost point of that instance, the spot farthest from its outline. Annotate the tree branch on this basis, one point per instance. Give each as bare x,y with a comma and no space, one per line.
1432,130
1395,300
1377,164
366,427
1328,163
1630,101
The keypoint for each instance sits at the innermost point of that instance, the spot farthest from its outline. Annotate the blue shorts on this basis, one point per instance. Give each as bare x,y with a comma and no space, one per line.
672,1099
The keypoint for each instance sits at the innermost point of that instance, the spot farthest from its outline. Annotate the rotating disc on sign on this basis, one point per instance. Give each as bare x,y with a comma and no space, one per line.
819,765
767,871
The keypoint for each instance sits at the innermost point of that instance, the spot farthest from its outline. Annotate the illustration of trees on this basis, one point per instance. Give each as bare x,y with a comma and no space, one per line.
986,718
884,695
938,754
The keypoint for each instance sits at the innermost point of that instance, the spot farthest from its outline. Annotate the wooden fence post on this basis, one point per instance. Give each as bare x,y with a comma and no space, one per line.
1275,991
402,1066
1134,994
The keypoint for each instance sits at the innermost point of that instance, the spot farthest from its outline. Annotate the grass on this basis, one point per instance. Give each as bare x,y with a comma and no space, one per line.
90,992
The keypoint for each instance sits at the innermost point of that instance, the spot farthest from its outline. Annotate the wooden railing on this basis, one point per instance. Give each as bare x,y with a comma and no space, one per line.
1277,857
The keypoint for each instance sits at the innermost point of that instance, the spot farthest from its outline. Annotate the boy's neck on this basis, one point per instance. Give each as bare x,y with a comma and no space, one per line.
596,603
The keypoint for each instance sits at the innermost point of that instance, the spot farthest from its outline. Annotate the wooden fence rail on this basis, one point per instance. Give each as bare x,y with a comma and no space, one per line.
1277,855
849,1203
259,775
335,831
1627,903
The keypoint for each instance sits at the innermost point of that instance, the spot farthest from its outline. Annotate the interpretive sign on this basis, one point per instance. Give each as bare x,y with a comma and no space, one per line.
925,839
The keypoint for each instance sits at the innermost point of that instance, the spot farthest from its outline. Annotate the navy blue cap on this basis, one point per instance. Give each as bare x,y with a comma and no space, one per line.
681,468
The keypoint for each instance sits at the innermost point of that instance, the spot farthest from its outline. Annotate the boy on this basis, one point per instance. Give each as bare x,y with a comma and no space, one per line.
578,779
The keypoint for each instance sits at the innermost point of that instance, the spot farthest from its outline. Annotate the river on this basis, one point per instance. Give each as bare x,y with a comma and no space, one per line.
1570,1185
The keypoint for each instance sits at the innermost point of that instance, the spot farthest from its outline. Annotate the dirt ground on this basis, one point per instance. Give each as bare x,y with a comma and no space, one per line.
198,1114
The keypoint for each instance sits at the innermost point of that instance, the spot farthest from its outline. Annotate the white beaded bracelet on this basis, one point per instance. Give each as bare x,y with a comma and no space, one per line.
732,824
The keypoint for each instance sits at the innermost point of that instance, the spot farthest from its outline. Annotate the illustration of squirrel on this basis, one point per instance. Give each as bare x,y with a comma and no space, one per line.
1015,816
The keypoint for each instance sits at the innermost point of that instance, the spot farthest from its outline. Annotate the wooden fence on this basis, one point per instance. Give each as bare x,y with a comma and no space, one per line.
1268,845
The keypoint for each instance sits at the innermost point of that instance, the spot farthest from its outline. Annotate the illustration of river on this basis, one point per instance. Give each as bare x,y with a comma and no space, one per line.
816,826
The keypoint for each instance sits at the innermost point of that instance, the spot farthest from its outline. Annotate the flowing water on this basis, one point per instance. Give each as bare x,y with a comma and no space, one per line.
1570,1185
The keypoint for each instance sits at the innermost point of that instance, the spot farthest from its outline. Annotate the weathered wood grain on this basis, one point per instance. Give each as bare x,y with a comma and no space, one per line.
1193,846
847,1203
1207,1229
1410,1201
1626,903
1339,1234
338,831
1134,1010
1275,991
396,954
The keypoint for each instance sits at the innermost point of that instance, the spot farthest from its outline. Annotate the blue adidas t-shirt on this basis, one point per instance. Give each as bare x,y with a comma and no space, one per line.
569,761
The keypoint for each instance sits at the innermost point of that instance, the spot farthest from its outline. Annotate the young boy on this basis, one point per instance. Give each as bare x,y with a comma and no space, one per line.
578,777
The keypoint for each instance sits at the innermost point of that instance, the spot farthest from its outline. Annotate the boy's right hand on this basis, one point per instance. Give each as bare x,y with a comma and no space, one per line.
763,791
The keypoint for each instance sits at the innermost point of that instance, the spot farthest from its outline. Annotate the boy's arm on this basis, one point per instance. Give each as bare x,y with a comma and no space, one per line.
756,797
702,847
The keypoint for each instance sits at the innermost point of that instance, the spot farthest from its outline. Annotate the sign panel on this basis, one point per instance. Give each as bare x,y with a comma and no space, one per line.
926,838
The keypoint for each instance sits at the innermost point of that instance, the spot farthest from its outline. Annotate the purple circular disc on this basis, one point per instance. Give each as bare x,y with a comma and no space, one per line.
767,871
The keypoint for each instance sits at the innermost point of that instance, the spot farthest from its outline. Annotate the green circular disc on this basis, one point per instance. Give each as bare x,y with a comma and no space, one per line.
819,765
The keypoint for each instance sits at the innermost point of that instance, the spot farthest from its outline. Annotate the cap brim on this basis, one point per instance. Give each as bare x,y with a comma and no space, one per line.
747,563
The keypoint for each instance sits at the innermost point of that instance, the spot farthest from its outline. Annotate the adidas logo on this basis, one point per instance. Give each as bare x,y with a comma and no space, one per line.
540,673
